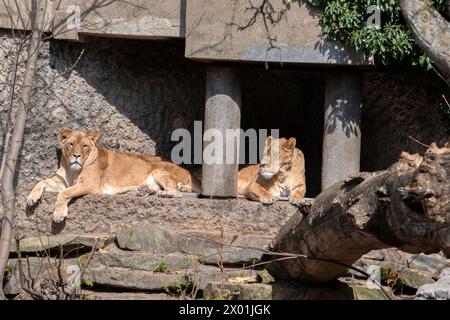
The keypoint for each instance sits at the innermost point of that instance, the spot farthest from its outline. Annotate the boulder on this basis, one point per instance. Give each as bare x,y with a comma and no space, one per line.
255,291
440,290
433,263
202,275
221,291
415,278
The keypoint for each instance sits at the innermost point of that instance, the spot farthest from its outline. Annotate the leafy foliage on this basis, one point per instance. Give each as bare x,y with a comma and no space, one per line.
346,20
177,288
161,267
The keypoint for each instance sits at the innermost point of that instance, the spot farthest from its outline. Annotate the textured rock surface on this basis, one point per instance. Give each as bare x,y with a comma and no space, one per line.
108,214
282,290
436,291
415,278
142,261
92,295
221,290
430,265
397,106
45,242
236,248
131,279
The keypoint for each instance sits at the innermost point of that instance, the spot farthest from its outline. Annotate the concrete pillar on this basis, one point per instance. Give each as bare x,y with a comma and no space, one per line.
222,111
342,132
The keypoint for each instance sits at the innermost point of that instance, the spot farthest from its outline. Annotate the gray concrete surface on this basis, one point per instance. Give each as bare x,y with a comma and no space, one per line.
222,113
342,127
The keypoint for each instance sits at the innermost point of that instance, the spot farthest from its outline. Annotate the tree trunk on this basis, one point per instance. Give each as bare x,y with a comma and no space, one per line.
12,151
431,30
406,206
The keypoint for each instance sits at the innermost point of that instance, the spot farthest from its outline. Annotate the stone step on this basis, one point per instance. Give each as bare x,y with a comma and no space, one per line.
65,241
236,248
99,295
172,282
108,214
285,290
132,279
142,260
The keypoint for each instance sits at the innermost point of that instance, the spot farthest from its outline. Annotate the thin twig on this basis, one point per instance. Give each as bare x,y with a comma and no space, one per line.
421,143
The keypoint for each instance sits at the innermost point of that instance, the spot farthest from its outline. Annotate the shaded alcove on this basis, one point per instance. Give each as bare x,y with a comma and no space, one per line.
291,101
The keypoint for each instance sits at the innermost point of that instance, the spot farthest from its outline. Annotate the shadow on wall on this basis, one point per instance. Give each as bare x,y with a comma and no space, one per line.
343,115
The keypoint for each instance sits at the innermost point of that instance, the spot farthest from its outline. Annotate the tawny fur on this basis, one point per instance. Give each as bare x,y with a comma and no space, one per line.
87,168
281,173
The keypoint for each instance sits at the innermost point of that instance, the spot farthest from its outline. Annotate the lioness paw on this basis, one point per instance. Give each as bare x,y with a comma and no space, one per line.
295,201
266,200
59,215
168,194
32,199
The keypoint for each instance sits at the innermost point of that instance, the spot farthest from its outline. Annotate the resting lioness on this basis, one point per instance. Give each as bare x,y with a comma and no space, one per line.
281,173
87,168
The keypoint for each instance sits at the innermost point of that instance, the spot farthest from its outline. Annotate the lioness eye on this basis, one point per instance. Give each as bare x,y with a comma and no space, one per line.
70,145
85,147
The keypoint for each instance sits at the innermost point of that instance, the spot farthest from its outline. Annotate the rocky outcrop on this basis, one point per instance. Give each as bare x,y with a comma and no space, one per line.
118,212
158,262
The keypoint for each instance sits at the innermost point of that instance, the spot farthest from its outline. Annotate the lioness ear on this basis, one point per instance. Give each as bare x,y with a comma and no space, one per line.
94,136
290,144
63,134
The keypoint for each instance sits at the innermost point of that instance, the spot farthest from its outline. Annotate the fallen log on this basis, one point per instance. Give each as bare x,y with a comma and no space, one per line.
406,206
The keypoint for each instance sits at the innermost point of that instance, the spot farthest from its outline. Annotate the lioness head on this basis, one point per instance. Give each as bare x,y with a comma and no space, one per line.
77,146
278,155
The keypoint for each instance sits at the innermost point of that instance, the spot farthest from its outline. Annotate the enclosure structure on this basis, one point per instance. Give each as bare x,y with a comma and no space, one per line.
150,67
228,36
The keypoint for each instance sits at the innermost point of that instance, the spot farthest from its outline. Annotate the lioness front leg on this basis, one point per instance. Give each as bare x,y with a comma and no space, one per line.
64,198
297,194
53,184
256,192
169,186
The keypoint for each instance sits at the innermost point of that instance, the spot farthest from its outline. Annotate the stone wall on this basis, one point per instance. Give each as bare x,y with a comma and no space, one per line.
398,105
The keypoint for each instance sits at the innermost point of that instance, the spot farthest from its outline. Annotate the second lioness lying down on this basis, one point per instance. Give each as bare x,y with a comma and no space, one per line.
87,168
281,173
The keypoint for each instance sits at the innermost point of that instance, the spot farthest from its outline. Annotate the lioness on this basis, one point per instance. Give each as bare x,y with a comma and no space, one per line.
281,173
87,168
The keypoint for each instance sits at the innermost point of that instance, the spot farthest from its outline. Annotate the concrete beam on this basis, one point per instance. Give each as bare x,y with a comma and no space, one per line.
222,112
72,19
17,14
342,127
235,31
